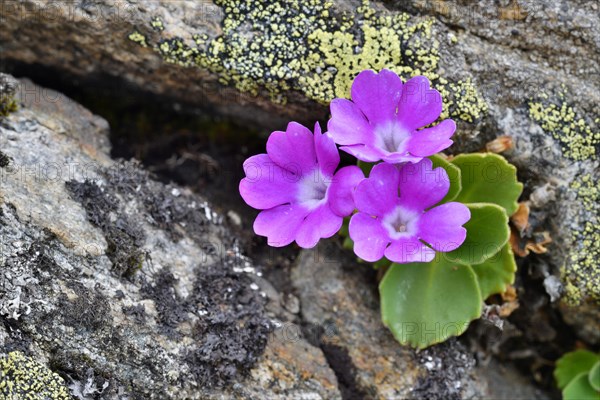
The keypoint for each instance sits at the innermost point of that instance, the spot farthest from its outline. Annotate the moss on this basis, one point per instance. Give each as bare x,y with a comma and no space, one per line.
8,88
579,138
581,274
22,377
7,105
302,46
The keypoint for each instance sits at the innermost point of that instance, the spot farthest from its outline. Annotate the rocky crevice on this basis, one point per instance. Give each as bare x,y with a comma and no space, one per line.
167,211
514,68
125,286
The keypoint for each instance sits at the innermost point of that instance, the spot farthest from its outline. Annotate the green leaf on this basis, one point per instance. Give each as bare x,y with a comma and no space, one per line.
495,273
580,389
344,230
426,303
383,263
366,167
572,364
345,233
594,376
487,233
488,178
453,174
348,243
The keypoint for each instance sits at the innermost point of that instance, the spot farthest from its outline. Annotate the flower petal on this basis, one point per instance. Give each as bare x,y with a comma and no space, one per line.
441,226
421,186
420,105
365,153
408,250
320,223
397,158
431,140
266,184
369,236
280,224
293,149
378,194
328,155
341,192
348,125
377,94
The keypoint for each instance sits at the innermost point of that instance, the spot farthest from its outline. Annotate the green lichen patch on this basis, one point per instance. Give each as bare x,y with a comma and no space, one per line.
157,24
138,38
463,101
23,378
304,46
582,275
579,138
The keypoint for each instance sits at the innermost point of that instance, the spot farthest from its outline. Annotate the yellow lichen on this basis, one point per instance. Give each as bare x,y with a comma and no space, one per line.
138,38
582,273
300,45
157,24
578,139
23,378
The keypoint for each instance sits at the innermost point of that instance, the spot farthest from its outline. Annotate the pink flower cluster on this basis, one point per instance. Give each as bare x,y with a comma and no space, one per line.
395,211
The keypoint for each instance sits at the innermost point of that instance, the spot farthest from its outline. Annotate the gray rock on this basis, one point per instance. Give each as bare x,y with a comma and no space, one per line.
339,300
116,285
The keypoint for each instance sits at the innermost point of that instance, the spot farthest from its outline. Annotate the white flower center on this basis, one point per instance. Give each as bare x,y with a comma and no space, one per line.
391,137
312,189
401,223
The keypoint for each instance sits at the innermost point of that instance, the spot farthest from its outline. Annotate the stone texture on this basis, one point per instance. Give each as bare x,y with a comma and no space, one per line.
114,285
339,301
521,54
99,32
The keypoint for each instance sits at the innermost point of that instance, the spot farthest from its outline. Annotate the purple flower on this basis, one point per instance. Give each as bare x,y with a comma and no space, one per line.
295,185
396,216
384,119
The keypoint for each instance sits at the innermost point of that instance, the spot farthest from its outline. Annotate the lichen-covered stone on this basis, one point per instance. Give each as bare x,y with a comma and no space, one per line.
317,49
24,378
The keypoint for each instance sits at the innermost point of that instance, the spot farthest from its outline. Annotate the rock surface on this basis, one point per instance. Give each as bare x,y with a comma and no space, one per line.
113,285
339,302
